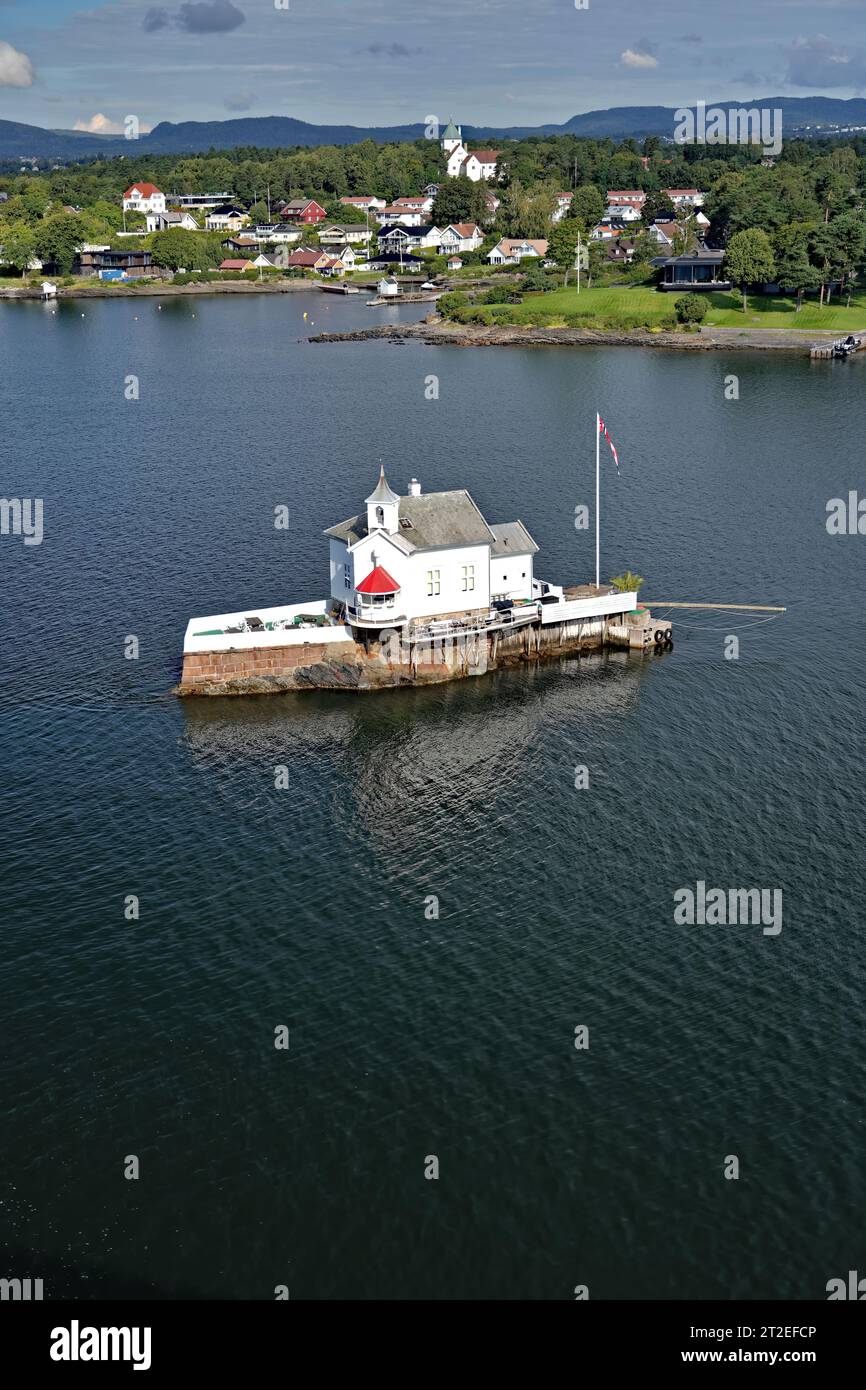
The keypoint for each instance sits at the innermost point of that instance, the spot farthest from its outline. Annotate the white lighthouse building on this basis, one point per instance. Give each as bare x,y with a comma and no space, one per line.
426,556
417,570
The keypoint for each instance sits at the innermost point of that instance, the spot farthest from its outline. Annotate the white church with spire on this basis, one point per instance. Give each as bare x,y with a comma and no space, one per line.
426,555
472,164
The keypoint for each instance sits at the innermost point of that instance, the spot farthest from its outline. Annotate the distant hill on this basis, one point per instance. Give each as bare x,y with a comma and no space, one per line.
798,113
268,132
19,141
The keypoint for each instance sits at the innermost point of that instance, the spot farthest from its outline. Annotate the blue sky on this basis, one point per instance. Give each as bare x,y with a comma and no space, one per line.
381,62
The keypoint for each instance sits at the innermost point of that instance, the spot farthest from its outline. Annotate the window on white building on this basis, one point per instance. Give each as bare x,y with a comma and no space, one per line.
434,585
468,574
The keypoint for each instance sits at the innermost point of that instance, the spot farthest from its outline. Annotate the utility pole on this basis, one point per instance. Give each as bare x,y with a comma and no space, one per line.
597,500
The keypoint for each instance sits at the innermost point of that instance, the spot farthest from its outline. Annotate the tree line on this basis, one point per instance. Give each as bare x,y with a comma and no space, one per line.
807,204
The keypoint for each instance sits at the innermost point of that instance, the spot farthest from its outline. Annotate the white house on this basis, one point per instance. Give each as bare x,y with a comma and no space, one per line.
563,203
626,197
663,233
408,238
460,236
621,212
684,198
143,197
279,233
199,200
363,203
474,164
343,233
169,221
512,250
400,213
421,202
346,254
425,555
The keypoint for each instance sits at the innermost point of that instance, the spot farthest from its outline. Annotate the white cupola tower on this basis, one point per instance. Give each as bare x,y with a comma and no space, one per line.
383,505
452,138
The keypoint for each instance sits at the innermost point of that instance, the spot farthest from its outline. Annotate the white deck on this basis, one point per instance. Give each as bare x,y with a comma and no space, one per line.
576,609
209,635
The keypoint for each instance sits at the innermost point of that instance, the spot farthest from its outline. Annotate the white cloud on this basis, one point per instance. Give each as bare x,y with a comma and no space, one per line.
16,69
99,124
633,59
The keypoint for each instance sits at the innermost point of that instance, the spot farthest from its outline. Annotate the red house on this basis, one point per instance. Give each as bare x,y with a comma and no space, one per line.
305,210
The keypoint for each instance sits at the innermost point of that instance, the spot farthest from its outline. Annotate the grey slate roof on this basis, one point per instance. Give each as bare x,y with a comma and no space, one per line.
512,538
439,519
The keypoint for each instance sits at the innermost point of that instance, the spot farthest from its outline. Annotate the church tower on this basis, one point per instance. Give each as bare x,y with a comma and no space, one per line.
383,507
452,138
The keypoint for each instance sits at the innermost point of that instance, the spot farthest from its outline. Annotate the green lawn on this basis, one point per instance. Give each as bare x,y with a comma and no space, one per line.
774,311
629,302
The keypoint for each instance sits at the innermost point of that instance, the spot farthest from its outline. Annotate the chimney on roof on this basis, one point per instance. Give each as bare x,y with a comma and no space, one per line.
414,488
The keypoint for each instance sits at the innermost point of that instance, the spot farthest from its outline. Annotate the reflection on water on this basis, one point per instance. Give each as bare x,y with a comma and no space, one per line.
399,751
413,1034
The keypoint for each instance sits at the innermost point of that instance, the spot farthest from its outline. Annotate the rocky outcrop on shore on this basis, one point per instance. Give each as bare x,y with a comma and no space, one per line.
439,333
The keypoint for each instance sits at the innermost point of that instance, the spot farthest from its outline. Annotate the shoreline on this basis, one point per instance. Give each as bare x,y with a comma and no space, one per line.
440,333
434,331
131,291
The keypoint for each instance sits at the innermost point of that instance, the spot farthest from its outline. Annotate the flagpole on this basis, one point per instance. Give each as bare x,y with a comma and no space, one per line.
597,491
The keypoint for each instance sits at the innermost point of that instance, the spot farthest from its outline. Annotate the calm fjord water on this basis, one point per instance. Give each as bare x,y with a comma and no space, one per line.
305,907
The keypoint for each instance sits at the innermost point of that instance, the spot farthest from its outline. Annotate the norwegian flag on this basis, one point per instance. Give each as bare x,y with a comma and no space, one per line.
602,429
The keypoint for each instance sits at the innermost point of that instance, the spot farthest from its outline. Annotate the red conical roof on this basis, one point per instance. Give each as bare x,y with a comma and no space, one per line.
378,581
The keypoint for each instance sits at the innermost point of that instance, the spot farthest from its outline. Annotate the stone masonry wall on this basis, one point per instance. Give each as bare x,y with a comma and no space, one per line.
350,666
